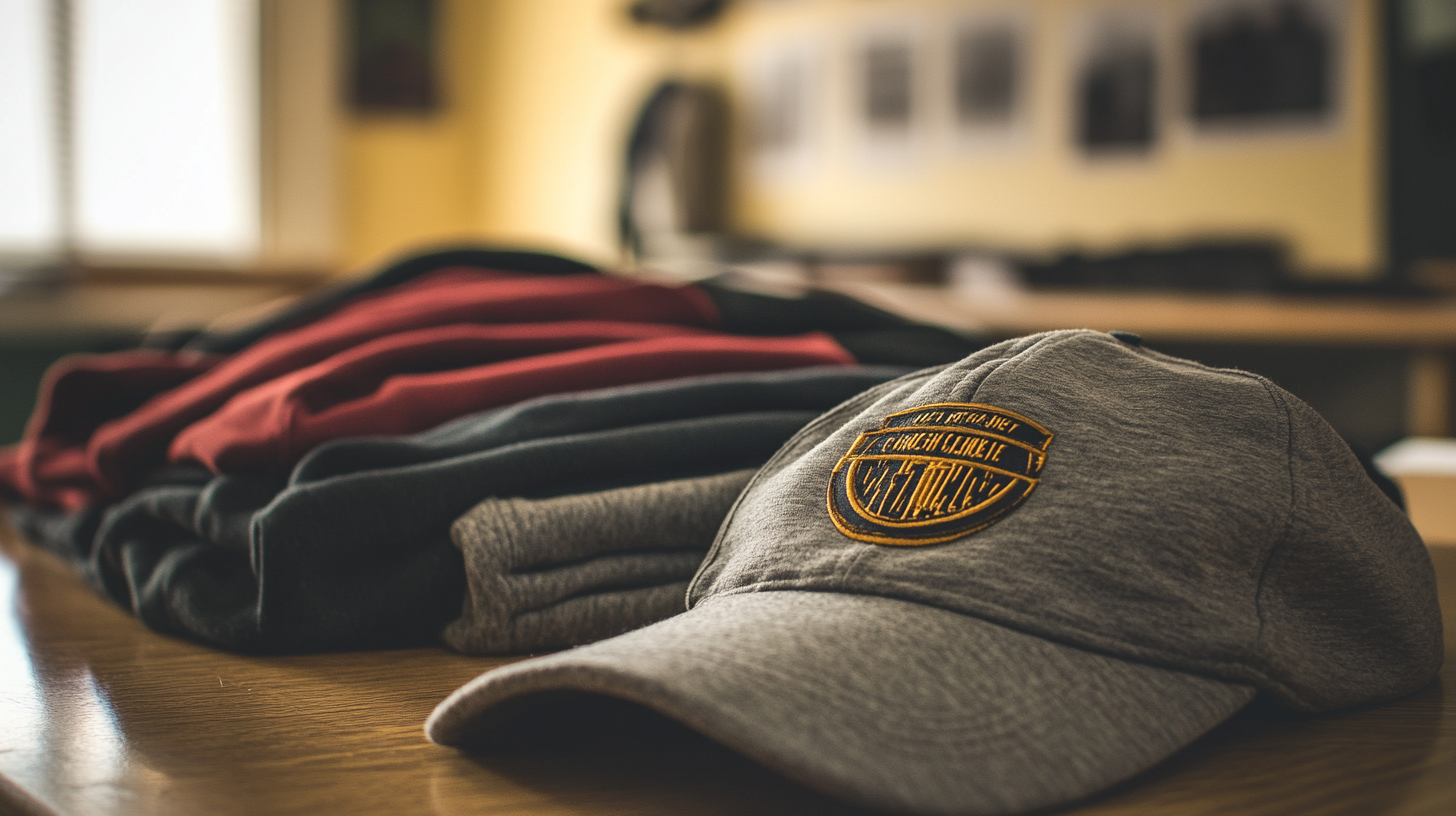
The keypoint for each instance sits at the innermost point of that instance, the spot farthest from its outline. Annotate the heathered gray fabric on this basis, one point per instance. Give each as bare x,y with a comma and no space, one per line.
354,550
881,702
1189,517
1195,534
545,574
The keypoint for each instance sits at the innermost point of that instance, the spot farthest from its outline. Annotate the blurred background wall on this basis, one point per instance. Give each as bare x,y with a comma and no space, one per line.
165,161
881,126
525,144
1031,180
537,99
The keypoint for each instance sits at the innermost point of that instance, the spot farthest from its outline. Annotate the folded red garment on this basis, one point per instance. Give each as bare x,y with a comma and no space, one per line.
123,449
358,393
80,393
270,409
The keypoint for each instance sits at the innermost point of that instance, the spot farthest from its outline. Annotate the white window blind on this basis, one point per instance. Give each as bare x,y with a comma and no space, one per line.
165,123
30,210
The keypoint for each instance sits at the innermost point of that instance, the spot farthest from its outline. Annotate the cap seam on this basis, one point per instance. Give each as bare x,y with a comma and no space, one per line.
848,569
1283,538
1051,339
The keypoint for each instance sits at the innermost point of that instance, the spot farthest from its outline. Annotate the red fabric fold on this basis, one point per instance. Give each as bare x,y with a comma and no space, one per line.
123,449
104,421
80,393
372,391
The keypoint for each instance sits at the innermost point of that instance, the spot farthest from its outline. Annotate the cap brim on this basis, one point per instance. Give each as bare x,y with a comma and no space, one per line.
878,701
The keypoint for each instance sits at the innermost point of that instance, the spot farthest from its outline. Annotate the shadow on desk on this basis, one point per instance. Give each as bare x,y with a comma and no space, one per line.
1269,760
619,756
105,717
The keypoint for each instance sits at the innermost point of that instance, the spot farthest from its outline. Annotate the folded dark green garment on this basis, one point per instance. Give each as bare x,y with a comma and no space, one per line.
354,550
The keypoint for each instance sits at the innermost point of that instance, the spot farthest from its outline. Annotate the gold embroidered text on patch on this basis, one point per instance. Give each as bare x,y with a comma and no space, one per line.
935,473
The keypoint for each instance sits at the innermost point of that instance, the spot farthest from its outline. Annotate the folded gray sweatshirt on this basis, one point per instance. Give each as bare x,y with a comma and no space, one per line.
546,574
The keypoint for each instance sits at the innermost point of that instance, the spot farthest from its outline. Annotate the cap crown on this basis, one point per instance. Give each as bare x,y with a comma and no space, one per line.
1194,518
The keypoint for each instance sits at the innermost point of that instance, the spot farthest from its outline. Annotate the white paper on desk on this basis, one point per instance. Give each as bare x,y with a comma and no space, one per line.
1419,456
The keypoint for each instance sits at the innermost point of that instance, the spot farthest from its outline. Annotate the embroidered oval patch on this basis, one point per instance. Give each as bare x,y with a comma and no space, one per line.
935,473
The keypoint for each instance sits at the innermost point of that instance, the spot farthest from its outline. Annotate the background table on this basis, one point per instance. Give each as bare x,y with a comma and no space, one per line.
1422,329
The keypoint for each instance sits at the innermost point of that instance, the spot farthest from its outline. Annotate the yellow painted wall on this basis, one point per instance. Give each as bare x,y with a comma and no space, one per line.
565,79
528,148
540,94
1318,189
407,180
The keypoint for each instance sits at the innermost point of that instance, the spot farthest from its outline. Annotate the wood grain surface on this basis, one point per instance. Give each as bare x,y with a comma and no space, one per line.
100,716
1232,317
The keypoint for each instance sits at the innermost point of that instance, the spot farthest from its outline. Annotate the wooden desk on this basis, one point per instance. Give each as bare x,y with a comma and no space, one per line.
1425,328
151,301
138,301
100,716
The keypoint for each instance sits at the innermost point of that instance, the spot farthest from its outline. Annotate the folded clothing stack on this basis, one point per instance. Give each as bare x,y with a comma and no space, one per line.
259,490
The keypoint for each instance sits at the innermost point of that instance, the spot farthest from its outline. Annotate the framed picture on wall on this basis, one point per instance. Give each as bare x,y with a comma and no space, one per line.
988,77
1263,62
393,56
782,86
1115,95
887,81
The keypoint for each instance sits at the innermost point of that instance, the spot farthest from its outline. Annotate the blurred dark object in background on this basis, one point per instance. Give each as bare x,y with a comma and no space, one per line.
675,179
1251,266
676,14
1258,61
887,84
1420,63
1117,88
988,69
1436,85
393,56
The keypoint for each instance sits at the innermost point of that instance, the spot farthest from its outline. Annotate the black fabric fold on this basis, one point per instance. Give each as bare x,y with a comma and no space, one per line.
392,273
873,335
353,551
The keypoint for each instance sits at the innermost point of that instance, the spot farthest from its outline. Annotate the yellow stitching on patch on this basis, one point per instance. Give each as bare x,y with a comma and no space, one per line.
1001,492
926,475
990,409
952,429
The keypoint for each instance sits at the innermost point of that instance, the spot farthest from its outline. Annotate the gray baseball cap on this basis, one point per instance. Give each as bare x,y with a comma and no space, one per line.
1013,581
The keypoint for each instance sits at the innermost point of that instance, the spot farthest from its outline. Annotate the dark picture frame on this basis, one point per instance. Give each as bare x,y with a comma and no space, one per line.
393,56
1118,81
988,62
1252,62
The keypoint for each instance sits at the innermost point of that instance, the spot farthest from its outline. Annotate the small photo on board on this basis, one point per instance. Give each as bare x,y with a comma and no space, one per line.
989,60
1254,62
392,46
1117,78
887,76
782,86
